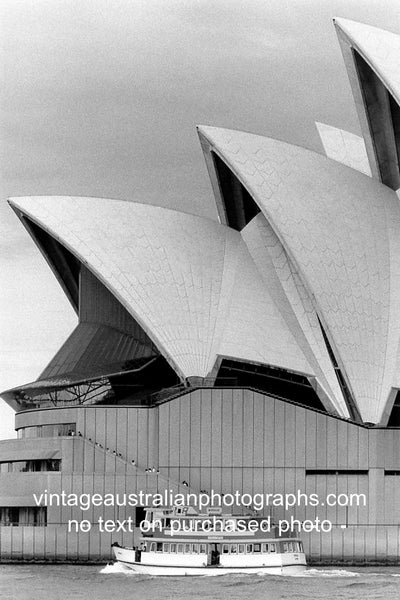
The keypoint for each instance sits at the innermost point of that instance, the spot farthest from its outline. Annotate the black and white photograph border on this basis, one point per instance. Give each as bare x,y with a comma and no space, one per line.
200,267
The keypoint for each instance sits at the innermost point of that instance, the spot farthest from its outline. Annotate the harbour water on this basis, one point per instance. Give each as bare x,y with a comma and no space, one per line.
76,582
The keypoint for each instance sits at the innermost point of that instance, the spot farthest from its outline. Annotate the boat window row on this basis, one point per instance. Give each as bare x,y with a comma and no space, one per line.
262,547
177,548
248,548
43,431
30,466
253,548
293,546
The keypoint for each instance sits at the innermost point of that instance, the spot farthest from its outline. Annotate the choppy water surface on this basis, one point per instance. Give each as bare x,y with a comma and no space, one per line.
62,582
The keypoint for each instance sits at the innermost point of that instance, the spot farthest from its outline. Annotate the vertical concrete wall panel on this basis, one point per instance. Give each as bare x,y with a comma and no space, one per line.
290,434
142,438
205,427
279,437
258,431
300,437
132,440
311,443
216,431
363,448
342,444
237,428
184,432
195,409
269,433
227,431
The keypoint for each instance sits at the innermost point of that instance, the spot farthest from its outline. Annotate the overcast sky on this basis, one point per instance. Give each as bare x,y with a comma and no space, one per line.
101,98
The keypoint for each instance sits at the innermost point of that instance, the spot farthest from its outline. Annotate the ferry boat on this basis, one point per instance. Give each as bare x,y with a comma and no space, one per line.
181,541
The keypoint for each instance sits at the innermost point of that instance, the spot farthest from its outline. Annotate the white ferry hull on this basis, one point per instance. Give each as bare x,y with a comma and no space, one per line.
125,557
174,571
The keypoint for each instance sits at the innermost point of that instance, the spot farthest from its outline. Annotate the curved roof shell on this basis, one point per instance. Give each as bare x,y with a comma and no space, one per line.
371,56
341,231
344,147
380,48
189,282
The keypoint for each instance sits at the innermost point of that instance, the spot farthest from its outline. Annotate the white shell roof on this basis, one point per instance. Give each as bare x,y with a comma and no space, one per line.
338,228
285,286
189,282
380,48
344,147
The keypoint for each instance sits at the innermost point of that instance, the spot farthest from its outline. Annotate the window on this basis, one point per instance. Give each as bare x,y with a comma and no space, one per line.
325,472
153,547
249,548
48,431
264,548
241,548
159,547
23,515
233,548
195,548
203,549
180,548
187,548
272,547
173,548
225,549
30,466
140,514
257,547
52,465
32,432
55,430
166,548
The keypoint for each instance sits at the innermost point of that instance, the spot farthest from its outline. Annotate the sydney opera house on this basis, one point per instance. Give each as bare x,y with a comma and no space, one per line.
259,353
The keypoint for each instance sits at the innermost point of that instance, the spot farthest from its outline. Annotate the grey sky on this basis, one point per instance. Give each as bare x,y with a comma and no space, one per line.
101,98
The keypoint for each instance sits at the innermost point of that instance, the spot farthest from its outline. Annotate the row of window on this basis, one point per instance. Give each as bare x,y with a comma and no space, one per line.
264,548
44,431
292,546
177,548
23,515
248,548
30,466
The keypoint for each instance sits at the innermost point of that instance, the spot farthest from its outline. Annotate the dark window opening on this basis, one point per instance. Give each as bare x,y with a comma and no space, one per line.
239,205
270,380
383,117
395,114
61,259
394,419
23,515
336,472
390,473
137,388
140,515
342,382
41,431
30,466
